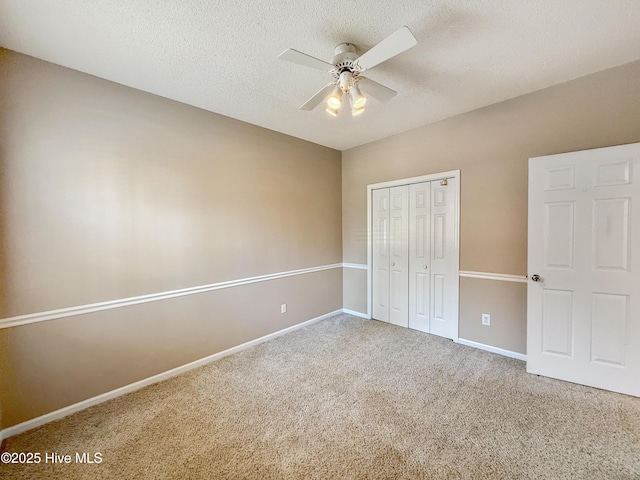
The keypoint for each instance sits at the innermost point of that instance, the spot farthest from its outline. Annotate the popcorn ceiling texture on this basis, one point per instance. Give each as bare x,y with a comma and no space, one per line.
222,55
351,399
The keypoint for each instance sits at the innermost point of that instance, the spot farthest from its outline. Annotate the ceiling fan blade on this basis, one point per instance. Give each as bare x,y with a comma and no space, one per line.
376,90
399,41
291,55
318,97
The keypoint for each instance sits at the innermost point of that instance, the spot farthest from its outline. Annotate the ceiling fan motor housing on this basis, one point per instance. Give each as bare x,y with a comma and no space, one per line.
346,70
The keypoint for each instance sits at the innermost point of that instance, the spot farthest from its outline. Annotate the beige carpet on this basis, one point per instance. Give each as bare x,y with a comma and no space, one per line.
350,398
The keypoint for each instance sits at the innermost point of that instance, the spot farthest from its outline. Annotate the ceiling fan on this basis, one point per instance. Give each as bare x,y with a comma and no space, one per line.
346,69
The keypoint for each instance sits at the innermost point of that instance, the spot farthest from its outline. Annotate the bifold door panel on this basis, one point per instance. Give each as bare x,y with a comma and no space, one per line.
420,256
399,255
415,256
380,247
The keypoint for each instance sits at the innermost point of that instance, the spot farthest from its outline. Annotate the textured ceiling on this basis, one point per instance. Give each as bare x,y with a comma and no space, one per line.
222,55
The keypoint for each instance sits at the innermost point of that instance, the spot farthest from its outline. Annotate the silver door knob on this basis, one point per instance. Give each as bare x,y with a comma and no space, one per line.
425,267
536,278
393,264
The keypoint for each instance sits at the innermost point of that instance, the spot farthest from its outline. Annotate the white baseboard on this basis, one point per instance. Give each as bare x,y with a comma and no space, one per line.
355,314
76,407
489,348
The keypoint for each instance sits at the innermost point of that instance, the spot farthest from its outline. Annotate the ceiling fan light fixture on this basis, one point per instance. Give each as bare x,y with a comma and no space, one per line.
357,98
331,111
346,68
335,99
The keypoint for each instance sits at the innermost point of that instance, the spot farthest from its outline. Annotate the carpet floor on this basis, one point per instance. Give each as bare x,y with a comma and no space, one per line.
348,398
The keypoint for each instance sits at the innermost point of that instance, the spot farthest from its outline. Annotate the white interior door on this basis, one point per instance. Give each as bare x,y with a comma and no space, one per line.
583,318
380,246
399,255
445,259
419,256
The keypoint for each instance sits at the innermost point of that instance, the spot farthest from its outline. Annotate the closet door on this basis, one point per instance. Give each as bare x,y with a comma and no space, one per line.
419,255
381,254
399,255
444,259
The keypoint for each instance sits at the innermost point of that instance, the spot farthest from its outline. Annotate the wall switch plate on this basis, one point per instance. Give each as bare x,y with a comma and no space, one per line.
486,319
283,308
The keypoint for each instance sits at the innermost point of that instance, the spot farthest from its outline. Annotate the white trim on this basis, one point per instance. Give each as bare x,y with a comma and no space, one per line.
361,266
356,314
489,348
408,181
369,253
395,183
125,302
76,407
503,277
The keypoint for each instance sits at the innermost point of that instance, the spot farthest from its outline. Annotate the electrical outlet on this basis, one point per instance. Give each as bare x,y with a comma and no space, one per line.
486,319
283,308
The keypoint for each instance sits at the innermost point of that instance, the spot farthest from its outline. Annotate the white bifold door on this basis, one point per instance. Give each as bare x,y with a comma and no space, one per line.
583,298
415,256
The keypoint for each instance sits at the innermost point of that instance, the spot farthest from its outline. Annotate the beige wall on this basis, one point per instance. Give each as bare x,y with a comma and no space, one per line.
107,193
507,305
355,285
491,147
52,364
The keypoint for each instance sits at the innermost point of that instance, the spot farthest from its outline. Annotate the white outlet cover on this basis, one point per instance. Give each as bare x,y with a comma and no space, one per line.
486,319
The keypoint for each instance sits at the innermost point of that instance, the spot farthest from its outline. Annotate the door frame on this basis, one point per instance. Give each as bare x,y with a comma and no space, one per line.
396,183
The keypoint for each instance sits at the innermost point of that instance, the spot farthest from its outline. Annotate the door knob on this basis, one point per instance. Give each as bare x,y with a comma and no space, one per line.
425,267
393,264
536,278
